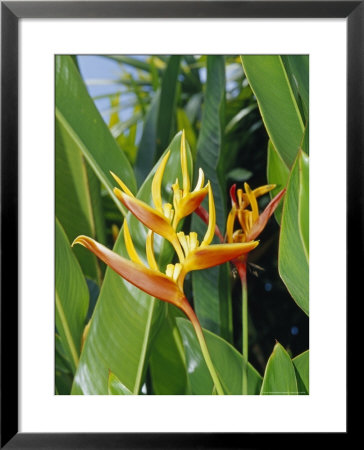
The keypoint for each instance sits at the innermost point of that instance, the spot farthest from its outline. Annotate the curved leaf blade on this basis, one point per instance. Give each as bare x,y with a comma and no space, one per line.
268,79
301,366
227,361
279,377
293,259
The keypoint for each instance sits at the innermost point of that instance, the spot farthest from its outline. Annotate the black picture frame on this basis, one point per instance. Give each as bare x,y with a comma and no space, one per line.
11,13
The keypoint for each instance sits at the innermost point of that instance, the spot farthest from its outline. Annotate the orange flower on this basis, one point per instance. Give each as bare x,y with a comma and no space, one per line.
163,220
192,256
252,223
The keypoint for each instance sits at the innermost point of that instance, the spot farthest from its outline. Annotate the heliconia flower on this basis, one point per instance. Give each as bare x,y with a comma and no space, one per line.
149,280
185,201
157,219
203,256
252,223
168,286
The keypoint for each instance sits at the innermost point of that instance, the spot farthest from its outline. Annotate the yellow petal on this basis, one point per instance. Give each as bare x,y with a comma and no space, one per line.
157,183
240,198
133,255
263,190
150,251
122,185
150,281
230,224
200,181
212,219
186,178
213,255
151,218
253,202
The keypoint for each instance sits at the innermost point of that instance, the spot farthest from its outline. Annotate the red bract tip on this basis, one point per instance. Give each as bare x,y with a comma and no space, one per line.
233,195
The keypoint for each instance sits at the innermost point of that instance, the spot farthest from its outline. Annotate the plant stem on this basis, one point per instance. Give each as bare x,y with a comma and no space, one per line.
205,352
245,335
241,266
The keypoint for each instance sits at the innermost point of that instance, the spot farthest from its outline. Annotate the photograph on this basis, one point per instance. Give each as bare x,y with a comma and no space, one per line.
182,224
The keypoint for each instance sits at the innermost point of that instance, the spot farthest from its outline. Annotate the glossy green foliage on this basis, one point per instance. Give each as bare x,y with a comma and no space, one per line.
79,118
126,320
293,245
71,298
227,360
301,367
279,377
280,113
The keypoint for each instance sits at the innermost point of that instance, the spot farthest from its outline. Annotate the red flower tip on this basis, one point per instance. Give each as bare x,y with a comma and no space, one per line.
233,195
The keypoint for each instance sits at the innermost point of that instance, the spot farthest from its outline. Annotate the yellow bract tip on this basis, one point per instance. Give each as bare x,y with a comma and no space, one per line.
133,255
186,178
150,251
157,182
212,219
121,184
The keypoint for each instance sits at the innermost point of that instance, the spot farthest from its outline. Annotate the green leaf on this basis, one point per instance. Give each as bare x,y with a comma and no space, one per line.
209,306
167,361
268,79
116,387
293,254
277,173
299,67
71,298
125,319
78,202
148,142
227,361
279,377
183,123
301,366
303,202
78,115
167,106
